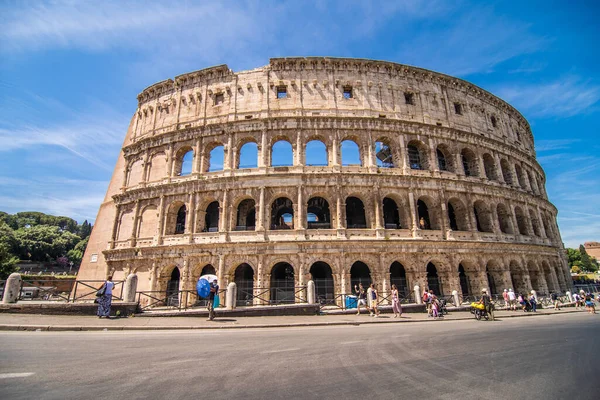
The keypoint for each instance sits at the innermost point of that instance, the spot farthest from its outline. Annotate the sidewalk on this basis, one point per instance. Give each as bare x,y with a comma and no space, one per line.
33,322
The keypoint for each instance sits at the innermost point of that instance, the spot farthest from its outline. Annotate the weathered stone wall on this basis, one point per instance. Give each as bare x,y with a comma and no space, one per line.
487,213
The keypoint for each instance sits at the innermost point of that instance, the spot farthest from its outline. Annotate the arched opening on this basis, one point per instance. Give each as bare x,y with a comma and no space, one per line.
423,215
506,174
521,221
457,215
185,163
490,167
282,154
465,284
391,216
316,154
533,184
248,157
469,162
520,177
246,216
535,224
180,223
282,284
211,219
491,282
482,217
350,153
173,288
208,270
355,214
398,278
216,159
282,214
504,219
442,162
433,280
317,214
360,273
416,158
323,278
244,280
383,155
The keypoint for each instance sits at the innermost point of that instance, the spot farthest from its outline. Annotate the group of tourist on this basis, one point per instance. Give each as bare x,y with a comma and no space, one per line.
583,299
369,299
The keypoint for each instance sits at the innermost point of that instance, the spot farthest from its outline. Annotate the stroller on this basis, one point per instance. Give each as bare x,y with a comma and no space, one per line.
442,309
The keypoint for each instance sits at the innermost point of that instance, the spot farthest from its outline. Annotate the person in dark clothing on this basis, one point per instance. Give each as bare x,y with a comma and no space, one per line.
214,290
486,300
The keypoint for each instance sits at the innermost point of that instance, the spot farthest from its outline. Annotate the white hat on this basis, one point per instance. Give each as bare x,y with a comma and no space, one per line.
505,290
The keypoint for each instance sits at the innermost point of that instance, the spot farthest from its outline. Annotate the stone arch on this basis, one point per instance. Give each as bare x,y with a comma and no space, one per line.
489,165
351,153
551,283
483,217
469,161
125,225
148,223
520,177
355,213
417,155
536,278
427,214
282,283
157,167
522,222
246,215
244,276
504,219
397,276
457,215
247,155
518,277
463,280
444,158
385,154
173,286
183,161
494,272
135,173
176,218
322,275
282,153
506,173
535,223
360,273
316,154
282,214
215,155
318,215
433,279
211,217
402,208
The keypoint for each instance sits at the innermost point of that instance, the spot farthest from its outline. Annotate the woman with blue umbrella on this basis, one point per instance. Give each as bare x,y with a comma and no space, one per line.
207,287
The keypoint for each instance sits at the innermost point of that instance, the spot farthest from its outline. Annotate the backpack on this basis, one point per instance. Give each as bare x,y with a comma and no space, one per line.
425,297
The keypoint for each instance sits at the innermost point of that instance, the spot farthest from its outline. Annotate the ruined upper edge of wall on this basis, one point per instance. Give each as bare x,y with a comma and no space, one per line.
222,72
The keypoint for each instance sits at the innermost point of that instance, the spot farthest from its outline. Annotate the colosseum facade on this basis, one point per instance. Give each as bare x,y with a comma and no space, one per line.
336,170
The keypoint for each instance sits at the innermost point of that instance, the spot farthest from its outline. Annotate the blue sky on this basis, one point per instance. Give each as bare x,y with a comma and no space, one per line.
70,72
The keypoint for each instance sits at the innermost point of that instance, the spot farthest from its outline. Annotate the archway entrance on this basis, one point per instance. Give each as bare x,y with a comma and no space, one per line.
491,282
244,280
282,284
360,273
322,277
208,269
465,285
398,278
433,280
173,288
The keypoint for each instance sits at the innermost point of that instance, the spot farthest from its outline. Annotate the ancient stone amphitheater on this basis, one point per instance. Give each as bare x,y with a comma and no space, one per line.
336,170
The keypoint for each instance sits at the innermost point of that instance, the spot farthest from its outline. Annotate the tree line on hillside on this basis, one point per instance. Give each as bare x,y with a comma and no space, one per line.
581,262
36,236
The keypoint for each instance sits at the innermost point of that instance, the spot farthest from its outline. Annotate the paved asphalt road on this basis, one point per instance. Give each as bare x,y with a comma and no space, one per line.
550,357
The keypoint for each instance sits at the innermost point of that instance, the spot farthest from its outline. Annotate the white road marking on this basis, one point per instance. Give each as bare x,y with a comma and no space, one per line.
279,351
353,342
16,375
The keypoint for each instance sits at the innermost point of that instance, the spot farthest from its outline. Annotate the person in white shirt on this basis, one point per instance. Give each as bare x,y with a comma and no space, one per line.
104,298
512,298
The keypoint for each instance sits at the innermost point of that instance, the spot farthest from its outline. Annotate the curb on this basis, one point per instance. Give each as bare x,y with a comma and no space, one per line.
65,328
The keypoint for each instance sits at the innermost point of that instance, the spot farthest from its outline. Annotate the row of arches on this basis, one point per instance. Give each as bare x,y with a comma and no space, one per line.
282,282
383,153
392,212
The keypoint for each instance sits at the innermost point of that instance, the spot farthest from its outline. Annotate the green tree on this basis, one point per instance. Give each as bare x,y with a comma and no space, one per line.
44,242
8,261
76,254
85,229
575,269
586,262
573,256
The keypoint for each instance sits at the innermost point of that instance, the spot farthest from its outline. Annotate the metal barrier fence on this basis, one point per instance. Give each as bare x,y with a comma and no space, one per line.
89,288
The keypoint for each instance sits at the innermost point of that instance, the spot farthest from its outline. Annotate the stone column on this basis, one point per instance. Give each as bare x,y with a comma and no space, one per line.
228,156
435,166
136,218
300,220
223,218
260,224
230,302
335,153
499,174
298,153
115,226
413,213
264,151
130,288
170,162
338,212
12,288
220,274
311,293
161,222
403,155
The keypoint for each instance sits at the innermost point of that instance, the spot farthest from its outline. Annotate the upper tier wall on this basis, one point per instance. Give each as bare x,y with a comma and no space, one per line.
315,86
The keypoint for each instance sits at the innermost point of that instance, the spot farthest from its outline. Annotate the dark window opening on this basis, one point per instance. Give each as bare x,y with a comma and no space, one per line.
323,278
433,280
282,214
173,288
282,92
355,214
423,214
494,122
383,153
477,221
244,280
391,217
180,224
442,164
452,218
246,216
465,285
282,284
318,215
211,219
219,98
414,157
348,92
409,98
491,282
458,108
208,270
398,278
360,273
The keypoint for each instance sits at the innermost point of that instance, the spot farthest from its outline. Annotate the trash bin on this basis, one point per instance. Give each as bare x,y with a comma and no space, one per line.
350,301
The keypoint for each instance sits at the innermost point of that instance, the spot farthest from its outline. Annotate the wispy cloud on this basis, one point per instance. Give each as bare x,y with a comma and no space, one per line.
565,97
554,144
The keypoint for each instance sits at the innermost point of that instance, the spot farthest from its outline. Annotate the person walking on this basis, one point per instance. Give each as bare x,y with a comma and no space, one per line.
512,298
506,299
214,291
396,307
361,298
576,300
374,299
554,297
533,303
105,299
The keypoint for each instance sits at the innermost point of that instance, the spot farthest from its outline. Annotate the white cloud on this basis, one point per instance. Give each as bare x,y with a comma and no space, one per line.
565,97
